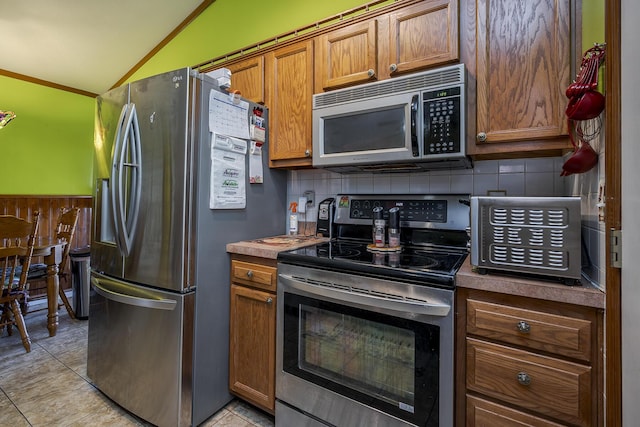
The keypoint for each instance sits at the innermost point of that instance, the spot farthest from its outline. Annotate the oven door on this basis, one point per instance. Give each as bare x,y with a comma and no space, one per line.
354,359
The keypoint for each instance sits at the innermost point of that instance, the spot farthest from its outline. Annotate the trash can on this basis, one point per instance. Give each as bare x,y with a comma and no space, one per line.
80,281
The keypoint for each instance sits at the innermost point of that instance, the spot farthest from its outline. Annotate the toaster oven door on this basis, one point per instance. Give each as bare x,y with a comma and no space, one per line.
535,235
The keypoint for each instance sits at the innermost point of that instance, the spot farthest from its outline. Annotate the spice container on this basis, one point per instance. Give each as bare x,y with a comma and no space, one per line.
394,227
293,218
379,230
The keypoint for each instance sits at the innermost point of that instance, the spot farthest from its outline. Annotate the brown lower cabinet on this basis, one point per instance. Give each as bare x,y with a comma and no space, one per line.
527,362
252,335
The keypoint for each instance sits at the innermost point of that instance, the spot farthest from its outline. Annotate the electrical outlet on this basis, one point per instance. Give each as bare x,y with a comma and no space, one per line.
302,204
311,198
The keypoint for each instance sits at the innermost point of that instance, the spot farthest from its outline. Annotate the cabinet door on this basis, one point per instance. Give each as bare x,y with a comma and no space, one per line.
523,66
422,36
248,77
289,78
252,348
347,56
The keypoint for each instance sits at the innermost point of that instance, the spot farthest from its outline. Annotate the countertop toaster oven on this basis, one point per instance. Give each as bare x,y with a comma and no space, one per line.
535,235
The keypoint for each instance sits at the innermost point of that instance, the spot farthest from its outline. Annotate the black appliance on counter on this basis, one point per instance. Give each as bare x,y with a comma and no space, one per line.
365,335
324,222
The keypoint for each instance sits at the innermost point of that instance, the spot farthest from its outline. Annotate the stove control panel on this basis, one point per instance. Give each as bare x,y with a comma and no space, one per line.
446,211
410,210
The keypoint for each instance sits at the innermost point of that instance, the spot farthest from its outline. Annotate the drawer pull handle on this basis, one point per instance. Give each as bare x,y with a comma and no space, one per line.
249,274
524,327
524,378
269,300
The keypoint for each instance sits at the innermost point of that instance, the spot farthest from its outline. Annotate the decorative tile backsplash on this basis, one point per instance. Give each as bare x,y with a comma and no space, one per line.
512,177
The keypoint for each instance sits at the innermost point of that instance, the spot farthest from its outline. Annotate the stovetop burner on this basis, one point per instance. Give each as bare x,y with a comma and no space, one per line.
416,264
339,250
414,261
432,235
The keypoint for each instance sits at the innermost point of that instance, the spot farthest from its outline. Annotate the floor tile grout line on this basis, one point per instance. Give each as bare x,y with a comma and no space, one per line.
15,406
237,408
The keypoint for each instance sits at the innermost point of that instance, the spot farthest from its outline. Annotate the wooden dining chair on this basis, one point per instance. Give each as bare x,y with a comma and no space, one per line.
37,278
17,237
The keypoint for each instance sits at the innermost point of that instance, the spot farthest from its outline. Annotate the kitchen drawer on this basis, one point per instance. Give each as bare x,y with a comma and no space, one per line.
562,335
256,275
549,386
482,413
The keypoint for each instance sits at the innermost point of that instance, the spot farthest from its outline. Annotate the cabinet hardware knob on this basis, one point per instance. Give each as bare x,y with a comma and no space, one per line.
524,378
371,73
269,300
307,153
393,68
249,274
481,137
524,327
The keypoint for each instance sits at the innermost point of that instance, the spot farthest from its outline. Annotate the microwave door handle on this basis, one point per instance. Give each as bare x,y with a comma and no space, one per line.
414,125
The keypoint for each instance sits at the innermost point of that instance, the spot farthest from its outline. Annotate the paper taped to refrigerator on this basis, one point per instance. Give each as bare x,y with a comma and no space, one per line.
228,171
228,115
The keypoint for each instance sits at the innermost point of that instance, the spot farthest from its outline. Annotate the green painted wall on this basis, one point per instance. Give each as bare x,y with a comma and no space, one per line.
593,31
229,25
47,149
592,23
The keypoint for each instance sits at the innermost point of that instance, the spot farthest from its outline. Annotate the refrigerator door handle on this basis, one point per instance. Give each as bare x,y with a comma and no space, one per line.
127,178
115,199
145,298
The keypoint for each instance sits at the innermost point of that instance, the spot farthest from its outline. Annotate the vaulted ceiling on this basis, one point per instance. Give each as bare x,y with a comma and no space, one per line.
87,45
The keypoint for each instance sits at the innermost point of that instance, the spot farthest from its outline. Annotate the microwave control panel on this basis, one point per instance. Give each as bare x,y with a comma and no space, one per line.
442,121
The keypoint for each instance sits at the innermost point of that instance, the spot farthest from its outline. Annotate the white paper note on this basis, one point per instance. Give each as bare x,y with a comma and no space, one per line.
228,115
256,174
228,171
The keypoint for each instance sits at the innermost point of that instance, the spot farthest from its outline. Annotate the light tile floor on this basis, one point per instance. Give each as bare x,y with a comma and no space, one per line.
49,385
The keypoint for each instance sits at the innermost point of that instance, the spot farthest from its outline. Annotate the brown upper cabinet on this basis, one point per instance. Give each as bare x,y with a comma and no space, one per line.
517,55
289,82
406,40
247,77
522,55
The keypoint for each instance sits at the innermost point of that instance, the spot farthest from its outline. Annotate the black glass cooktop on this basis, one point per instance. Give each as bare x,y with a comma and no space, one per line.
417,264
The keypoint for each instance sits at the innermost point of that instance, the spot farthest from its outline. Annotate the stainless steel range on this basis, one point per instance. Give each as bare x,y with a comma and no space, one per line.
366,334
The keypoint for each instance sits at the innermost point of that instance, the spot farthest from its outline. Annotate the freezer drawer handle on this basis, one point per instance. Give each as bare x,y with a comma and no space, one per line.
158,304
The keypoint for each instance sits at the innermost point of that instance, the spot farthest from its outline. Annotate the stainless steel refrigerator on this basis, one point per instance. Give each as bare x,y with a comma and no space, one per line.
159,305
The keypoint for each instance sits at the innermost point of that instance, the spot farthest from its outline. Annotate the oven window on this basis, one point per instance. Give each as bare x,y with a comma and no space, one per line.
371,130
382,361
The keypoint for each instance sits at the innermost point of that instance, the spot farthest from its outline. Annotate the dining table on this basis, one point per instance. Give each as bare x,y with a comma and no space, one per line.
51,249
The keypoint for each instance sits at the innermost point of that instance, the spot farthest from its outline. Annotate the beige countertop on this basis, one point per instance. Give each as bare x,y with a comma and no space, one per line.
585,295
268,247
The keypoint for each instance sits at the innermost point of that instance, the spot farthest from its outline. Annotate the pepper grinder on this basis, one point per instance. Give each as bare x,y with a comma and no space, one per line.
394,227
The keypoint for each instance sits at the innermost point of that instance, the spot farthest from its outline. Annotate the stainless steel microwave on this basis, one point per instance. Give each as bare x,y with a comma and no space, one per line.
411,122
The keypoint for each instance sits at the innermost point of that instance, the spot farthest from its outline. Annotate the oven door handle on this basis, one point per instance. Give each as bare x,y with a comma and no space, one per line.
363,298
